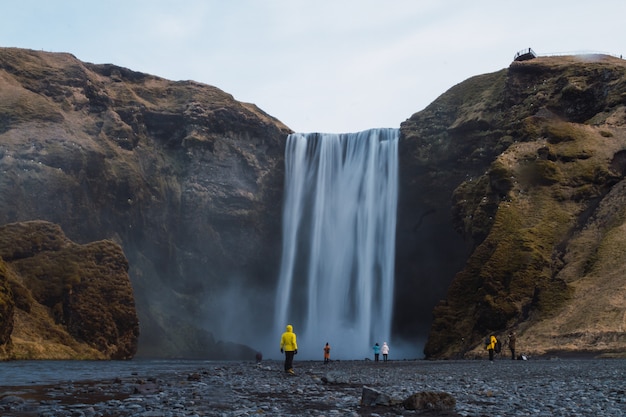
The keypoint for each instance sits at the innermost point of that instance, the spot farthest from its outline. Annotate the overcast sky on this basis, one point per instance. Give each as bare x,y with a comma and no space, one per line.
317,65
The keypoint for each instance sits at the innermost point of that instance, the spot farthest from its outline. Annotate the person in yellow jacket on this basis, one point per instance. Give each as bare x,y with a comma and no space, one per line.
491,346
289,346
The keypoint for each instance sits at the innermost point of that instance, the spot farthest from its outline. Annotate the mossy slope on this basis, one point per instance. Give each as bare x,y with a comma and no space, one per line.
548,139
63,300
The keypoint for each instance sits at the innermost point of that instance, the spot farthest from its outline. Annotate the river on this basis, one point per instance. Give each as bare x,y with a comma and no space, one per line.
23,373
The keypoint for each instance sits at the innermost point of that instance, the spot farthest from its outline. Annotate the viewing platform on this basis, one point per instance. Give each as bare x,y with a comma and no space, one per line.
525,55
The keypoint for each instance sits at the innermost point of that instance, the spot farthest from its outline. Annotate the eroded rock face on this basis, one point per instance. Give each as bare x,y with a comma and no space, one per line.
528,162
68,301
185,178
510,209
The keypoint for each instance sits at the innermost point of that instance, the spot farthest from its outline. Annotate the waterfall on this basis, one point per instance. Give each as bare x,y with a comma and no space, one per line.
339,219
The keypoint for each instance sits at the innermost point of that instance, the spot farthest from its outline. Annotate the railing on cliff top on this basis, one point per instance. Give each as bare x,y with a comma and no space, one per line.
526,54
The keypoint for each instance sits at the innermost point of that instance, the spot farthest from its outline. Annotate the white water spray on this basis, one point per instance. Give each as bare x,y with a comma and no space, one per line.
339,226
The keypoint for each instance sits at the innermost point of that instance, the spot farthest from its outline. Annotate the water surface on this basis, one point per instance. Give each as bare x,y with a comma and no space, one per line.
22,373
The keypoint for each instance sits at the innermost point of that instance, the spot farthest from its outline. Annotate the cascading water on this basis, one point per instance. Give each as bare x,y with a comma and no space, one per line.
339,220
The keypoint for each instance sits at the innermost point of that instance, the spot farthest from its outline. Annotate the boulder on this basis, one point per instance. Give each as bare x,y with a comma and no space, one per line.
439,401
372,397
336,377
70,301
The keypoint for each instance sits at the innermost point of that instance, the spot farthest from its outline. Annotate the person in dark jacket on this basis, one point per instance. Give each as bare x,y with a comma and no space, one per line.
327,353
511,343
289,346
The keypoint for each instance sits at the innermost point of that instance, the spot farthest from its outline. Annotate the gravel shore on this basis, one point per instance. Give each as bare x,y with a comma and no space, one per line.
557,387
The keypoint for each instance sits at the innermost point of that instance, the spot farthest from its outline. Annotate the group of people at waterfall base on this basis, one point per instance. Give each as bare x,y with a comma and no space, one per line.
494,346
384,349
289,346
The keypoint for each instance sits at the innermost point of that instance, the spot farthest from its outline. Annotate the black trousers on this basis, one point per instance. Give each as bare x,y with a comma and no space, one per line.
491,354
289,359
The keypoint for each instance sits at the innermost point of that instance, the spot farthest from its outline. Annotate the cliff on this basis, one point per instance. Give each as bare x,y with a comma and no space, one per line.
527,164
509,216
61,300
187,180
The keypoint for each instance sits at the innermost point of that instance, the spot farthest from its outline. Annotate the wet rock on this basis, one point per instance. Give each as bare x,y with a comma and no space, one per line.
194,377
145,388
11,399
12,402
237,389
373,397
441,401
335,377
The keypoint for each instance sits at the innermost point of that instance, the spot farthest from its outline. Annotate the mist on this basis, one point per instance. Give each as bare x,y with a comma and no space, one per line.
243,314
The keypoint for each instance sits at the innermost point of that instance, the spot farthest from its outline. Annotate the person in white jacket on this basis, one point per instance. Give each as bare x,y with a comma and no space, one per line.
385,351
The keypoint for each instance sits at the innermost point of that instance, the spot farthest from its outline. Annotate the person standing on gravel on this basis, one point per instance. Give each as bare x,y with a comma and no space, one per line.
491,347
511,343
376,351
385,351
327,353
289,346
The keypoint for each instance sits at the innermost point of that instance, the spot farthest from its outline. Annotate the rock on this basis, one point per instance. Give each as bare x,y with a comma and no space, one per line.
11,400
72,301
7,307
184,177
561,388
439,401
194,377
336,377
520,175
372,397
147,388
188,181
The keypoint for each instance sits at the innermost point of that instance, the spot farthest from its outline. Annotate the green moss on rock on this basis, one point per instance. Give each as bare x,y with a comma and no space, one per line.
83,292
524,208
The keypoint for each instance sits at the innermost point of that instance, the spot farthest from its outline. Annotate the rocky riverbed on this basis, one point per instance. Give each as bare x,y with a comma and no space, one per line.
556,387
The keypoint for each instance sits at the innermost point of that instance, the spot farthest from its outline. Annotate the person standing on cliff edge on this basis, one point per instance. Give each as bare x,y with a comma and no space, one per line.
289,346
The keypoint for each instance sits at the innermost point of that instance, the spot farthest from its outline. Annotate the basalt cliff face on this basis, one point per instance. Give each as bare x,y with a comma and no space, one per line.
527,164
185,178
